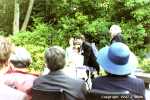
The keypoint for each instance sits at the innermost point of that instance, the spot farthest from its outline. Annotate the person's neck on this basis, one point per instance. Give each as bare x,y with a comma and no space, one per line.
21,69
113,75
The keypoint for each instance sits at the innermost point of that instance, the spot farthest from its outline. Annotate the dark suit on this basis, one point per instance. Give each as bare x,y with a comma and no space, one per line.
117,38
109,83
89,57
75,88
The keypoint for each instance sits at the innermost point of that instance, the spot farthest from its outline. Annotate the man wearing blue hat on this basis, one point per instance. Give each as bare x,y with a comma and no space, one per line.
118,62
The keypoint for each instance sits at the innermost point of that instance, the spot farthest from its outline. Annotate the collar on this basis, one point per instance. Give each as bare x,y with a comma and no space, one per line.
23,72
56,72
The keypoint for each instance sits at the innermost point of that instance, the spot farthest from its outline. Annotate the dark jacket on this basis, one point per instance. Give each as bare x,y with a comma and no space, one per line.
117,38
89,57
57,79
109,83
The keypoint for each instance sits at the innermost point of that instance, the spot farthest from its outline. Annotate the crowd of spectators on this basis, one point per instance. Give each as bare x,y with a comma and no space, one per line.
116,59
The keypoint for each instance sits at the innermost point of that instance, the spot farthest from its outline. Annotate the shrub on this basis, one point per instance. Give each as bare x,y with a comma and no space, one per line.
134,34
145,65
3,33
35,41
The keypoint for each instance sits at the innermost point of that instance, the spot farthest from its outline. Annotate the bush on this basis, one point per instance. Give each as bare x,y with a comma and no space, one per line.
92,18
36,42
145,65
37,53
134,34
97,31
3,33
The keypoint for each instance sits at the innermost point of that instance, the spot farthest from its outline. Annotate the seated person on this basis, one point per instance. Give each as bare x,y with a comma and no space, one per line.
118,62
74,64
55,61
6,48
20,78
6,92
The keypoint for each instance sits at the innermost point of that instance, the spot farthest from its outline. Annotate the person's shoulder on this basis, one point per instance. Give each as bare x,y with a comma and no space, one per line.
86,44
77,82
22,74
74,81
40,79
102,78
136,80
89,44
38,82
12,93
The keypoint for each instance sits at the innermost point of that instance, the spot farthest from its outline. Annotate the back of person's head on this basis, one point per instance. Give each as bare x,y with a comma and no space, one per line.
55,58
6,48
117,59
20,58
115,30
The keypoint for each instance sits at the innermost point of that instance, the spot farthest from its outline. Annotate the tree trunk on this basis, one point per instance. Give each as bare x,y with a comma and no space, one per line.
27,17
16,17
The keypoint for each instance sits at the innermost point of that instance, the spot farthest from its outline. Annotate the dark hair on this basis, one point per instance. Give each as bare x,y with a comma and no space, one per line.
21,58
55,58
20,64
113,75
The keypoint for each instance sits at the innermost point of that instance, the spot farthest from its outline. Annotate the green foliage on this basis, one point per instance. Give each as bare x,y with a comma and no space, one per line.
95,30
98,25
134,36
37,53
141,13
2,33
6,16
73,26
37,37
145,63
135,3
35,41
140,9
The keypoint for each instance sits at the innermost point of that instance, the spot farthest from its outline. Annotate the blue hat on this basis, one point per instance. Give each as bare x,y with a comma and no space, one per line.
117,59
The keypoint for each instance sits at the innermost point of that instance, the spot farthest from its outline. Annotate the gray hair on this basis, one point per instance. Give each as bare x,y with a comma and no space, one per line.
55,58
6,47
20,57
115,29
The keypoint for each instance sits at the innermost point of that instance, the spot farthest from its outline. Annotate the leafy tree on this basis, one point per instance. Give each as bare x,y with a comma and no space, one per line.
6,16
16,17
35,41
25,23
